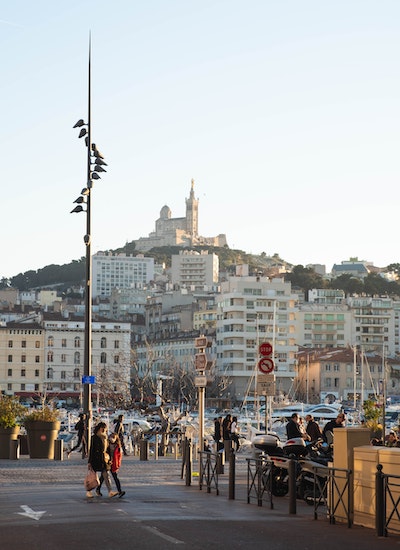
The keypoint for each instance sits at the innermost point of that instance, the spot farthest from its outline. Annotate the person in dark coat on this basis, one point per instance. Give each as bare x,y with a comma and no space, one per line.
313,429
119,430
226,428
337,422
218,432
99,458
293,428
81,427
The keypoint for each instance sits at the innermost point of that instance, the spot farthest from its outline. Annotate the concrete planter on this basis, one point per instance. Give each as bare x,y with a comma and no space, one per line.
7,435
41,437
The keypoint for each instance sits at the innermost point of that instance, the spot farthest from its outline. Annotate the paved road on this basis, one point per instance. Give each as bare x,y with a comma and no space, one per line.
43,506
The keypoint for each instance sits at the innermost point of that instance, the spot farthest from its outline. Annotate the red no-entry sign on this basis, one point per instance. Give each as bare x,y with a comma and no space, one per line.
265,348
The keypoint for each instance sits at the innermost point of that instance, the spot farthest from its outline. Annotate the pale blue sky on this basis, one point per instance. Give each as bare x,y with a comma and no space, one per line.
285,113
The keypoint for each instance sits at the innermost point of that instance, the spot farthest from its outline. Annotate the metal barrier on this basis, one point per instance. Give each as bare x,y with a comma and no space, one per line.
387,489
259,480
331,488
209,468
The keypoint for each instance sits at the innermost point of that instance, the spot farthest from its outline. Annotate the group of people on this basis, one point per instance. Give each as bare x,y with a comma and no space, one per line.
226,429
312,431
105,457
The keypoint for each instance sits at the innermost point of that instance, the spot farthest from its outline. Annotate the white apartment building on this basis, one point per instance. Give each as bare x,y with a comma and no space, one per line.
320,325
64,357
373,324
111,271
195,270
252,310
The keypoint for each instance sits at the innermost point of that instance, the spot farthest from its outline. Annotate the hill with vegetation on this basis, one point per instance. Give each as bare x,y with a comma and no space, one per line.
66,277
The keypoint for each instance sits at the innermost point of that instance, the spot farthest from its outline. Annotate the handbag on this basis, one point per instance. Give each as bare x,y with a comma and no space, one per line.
91,480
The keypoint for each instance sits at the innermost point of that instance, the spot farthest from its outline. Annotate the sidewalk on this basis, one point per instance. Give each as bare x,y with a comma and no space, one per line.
159,499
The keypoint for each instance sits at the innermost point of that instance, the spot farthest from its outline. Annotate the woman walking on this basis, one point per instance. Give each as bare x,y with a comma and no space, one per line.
99,459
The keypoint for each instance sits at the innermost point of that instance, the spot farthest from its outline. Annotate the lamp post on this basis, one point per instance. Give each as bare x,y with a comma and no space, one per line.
95,165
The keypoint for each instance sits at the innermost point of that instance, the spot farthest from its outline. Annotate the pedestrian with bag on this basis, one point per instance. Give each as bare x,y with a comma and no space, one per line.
115,451
99,458
119,430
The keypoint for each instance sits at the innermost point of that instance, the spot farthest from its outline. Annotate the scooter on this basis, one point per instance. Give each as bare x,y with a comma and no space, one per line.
280,455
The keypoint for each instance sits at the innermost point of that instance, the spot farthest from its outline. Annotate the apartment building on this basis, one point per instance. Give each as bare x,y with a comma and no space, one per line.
110,271
252,310
64,356
22,358
195,270
373,324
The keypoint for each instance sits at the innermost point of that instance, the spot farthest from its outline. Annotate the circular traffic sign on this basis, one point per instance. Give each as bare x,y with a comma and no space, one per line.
265,348
266,365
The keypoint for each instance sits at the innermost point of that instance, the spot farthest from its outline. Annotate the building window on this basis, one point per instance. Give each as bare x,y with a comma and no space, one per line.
50,341
10,343
103,357
50,373
103,343
116,359
23,372
37,373
37,358
23,358
116,344
63,358
77,373
37,344
9,372
10,358
23,344
22,387
64,343
50,357
77,358
9,387
63,387
63,375
77,342
36,387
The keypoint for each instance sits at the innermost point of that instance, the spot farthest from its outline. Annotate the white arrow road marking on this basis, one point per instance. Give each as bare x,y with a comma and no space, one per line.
29,513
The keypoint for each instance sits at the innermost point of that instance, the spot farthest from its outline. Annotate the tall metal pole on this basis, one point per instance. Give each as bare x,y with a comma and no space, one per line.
87,367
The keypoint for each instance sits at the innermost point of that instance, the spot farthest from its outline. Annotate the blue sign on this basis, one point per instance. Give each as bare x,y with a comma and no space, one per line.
88,379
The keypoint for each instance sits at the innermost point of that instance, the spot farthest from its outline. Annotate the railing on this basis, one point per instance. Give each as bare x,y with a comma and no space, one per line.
210,465
387,490
259,480
331,489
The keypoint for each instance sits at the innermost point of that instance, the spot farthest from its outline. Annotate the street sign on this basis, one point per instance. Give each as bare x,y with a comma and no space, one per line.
88,379
200,381
266,384
200,361
265,348
266,365
200,342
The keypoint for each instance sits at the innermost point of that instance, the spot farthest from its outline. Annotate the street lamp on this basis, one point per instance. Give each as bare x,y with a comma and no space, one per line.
95,163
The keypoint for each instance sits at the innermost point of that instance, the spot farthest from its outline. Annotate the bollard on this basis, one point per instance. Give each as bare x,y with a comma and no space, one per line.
220,462
380,512
14,449
232,467
143,449
176,449
292,486
156,443
227,449
58,449
188,462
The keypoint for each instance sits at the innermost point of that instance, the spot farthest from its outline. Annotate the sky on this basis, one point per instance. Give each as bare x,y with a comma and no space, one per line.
285,114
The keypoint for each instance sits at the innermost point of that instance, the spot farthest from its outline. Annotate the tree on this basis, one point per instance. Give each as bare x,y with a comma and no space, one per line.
305,278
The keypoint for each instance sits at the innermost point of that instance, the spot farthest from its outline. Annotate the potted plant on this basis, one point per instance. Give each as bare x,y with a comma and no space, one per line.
372,415
11,413
42,427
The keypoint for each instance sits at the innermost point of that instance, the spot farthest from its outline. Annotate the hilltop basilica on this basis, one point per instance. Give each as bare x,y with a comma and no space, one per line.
179,231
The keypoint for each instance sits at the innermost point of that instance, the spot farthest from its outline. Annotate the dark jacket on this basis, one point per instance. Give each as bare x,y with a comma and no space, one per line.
313,430
293,430
97,456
